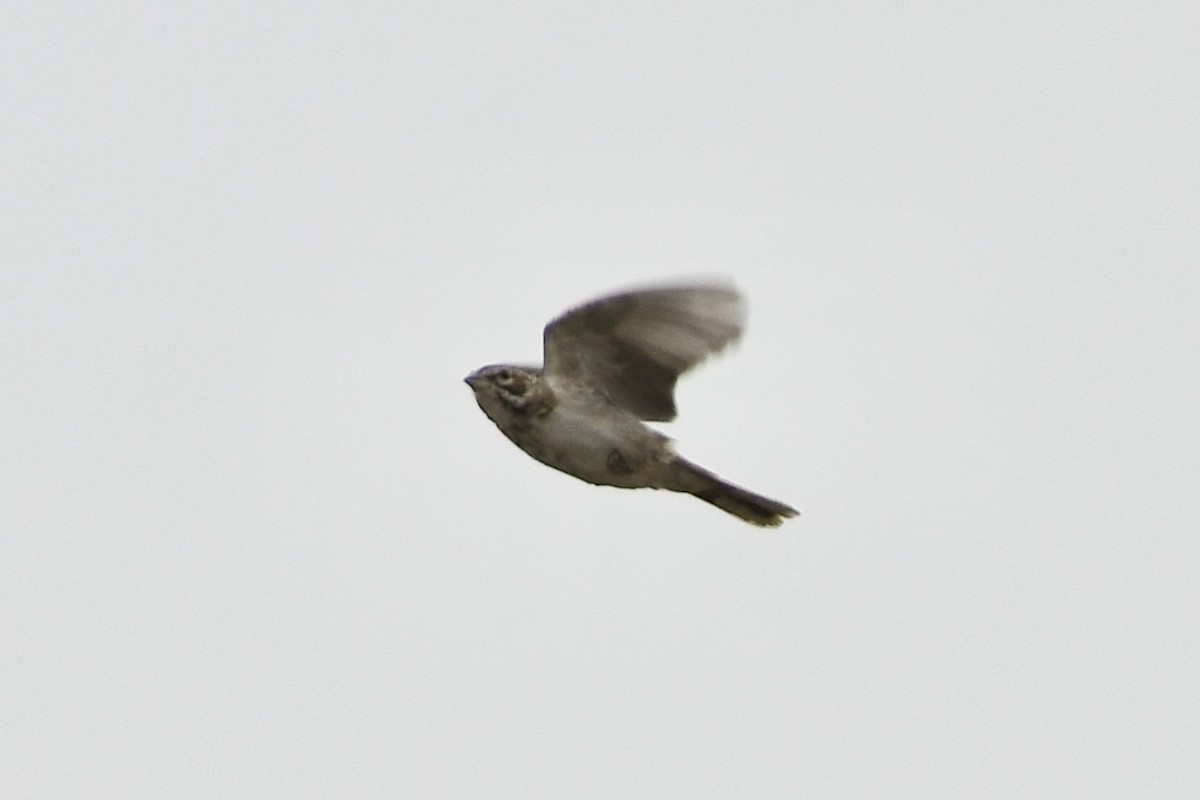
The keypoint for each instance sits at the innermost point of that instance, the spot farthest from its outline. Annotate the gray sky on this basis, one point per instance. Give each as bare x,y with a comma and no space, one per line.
258,540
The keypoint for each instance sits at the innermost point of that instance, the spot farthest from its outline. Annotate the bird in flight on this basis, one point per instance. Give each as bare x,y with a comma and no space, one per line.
609,364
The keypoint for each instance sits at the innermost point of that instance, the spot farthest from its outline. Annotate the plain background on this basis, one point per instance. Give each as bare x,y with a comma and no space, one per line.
258,540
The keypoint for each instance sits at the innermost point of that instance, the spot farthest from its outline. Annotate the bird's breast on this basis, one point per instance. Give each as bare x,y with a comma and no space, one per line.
599,445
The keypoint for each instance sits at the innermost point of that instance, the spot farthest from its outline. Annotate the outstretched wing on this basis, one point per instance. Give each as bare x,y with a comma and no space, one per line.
633,346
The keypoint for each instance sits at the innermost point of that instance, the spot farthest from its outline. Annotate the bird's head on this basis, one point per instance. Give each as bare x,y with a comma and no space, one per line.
502,389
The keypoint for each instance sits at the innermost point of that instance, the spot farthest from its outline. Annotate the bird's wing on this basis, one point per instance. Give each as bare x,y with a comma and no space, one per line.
633,346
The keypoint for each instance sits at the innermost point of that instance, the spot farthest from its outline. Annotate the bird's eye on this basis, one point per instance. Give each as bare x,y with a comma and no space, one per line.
504,376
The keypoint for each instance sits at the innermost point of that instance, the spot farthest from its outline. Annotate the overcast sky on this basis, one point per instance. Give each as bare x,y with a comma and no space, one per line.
258,540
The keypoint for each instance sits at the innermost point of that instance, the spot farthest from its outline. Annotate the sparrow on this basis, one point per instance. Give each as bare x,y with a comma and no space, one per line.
610,364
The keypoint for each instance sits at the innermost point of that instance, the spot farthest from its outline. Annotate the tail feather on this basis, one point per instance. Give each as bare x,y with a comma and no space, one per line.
747,505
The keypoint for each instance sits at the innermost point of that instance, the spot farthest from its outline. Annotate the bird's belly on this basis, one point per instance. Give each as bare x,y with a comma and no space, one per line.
610,450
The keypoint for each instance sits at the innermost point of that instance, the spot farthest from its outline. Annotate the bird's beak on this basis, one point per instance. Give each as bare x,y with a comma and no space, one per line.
472,380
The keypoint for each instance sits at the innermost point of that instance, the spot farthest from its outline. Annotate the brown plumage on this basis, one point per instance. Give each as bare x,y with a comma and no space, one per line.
610,364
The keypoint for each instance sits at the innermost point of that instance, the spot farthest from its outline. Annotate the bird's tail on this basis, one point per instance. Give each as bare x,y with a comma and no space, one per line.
754,508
